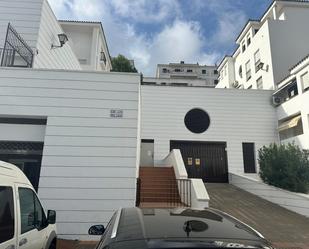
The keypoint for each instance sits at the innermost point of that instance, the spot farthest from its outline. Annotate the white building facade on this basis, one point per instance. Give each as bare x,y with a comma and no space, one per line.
266,51
163,115
292,101
267,48
79,131
72,127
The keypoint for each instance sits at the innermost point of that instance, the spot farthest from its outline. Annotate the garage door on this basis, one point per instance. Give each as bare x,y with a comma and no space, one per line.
205,160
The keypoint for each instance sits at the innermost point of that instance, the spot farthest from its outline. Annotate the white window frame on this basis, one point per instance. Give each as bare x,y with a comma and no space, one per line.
248,39
259,81
304,78
243,46
257,60
248,70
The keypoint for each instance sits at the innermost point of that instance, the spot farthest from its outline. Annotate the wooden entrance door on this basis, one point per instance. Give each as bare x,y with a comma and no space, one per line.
204,160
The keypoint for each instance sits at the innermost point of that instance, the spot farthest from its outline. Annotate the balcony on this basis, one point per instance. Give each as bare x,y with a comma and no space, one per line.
16,52
181,74
287,92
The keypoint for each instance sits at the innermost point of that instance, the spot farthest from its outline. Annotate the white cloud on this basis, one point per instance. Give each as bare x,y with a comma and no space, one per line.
230,20
146,11
180,41
176,41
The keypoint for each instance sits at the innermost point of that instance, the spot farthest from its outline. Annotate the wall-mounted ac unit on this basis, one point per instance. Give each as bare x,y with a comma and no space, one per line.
235,84
277,100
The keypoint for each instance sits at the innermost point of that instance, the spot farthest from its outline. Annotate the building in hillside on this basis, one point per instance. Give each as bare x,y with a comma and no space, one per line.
184,74
292,104
89,44
71,127
80,133
268,47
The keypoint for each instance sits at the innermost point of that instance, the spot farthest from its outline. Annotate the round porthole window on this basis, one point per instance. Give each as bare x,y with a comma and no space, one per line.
197,120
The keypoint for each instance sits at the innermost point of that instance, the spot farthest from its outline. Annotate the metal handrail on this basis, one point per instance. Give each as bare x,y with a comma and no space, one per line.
138,192
15,44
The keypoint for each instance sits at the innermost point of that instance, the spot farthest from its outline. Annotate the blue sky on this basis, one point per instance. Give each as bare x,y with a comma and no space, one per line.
164,31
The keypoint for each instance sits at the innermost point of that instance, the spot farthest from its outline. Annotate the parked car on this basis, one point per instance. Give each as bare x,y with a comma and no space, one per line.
176,228
23,222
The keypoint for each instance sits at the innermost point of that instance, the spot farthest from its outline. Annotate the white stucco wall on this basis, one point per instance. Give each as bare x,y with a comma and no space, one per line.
89,41
36,23
282,41
82,38
296,202
236,116
22,132
89,160
288,40
228,78
260,41
25,17
46,57
298,104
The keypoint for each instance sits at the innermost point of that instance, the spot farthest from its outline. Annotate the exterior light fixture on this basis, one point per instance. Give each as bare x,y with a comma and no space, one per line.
102,56
62,40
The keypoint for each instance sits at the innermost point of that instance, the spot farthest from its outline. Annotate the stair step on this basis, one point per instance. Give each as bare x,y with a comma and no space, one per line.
159,194
156,168
159,199
156,174
158,187
158,184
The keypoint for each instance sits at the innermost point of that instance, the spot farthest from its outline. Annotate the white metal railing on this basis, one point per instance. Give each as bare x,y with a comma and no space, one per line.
199,197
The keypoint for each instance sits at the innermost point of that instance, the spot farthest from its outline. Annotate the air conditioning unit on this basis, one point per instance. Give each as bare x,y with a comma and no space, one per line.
235,84
260,65
277,100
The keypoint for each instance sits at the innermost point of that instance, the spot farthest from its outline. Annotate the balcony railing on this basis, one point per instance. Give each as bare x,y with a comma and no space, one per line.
16,52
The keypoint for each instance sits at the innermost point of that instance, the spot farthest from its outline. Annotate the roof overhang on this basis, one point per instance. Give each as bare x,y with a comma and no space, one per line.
223,62
282,3
246,28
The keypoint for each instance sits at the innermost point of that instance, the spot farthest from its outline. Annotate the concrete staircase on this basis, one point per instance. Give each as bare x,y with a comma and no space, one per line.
158,187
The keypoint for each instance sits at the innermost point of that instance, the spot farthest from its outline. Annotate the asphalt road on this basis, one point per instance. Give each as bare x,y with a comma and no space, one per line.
284,228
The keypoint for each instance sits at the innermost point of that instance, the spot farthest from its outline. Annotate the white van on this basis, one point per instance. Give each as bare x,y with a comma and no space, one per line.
23,222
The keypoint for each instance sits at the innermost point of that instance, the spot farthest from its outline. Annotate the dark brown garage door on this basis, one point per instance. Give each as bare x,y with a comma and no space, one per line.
206,160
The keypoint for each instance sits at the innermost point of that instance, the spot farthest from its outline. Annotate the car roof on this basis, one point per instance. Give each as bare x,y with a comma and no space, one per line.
12,173
136,224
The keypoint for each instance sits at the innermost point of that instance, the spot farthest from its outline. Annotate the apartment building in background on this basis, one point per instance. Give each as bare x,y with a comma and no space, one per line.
267,48
272,53
184,74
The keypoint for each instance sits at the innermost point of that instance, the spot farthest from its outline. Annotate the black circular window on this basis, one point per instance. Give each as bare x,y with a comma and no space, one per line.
197,120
